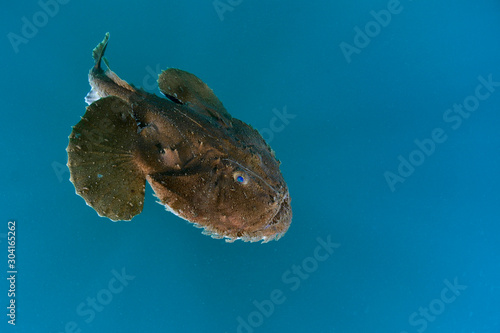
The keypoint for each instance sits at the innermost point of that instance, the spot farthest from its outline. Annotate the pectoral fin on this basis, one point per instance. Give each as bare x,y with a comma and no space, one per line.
101,160
185,88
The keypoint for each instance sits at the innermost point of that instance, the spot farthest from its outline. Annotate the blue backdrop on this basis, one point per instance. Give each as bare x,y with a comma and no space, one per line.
389,146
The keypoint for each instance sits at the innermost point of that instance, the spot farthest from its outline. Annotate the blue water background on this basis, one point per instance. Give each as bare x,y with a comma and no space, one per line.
351,120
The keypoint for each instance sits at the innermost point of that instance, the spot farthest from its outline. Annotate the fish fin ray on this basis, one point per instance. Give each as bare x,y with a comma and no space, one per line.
98,51
102,163
116,79
185,88
92,96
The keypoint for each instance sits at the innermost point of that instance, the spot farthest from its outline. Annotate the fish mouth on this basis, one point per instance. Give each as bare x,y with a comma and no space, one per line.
274,229
280,223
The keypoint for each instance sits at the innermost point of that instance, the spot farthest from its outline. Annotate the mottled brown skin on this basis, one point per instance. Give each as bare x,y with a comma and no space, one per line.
203,165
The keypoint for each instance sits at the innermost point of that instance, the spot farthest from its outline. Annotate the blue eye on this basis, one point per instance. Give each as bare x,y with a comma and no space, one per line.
240,177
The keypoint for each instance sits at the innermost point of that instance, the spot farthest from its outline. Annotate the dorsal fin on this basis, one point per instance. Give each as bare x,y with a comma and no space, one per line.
185,88
117,80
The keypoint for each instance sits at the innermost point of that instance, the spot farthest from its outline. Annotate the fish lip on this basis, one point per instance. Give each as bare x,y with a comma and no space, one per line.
278,225
284,214
275,229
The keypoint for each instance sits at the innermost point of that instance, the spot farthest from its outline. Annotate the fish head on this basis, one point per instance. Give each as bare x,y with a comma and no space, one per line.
234,193
255,197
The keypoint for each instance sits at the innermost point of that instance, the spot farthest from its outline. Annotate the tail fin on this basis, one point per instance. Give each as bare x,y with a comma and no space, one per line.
102,81
98,52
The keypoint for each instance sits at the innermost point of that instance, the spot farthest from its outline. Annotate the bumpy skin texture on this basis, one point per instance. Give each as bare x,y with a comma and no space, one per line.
203,165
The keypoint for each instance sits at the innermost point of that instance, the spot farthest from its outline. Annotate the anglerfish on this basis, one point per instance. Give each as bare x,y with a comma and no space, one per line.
203,165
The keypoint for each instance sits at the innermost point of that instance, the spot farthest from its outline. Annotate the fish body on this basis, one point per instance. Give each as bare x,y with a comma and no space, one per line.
203,165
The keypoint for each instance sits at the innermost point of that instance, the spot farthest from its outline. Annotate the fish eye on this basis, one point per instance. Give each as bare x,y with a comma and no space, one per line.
240,177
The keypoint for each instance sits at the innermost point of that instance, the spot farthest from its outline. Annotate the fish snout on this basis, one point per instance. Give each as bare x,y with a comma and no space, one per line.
280,222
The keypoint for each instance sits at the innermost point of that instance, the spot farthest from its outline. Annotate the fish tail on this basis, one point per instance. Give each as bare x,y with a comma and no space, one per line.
105,82
98,52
